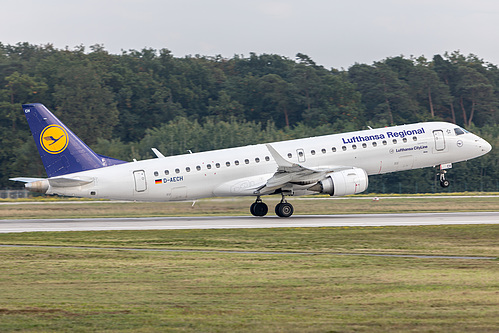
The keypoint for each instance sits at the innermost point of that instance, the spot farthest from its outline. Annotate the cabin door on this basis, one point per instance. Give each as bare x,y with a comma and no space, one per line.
439,140
140,180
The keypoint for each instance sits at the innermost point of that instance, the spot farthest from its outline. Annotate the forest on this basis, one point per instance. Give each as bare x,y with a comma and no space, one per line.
121,105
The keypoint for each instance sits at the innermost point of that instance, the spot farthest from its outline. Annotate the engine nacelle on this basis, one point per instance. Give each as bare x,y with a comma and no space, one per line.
344,182
40,186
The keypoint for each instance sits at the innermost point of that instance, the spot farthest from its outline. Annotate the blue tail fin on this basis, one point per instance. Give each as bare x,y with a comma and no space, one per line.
62,152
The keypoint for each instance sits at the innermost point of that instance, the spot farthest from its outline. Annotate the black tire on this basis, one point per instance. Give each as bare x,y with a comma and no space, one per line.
252,208
444,183
259,209
284,209
277,209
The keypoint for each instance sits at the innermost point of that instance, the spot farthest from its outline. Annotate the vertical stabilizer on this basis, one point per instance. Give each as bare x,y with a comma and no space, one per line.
62,152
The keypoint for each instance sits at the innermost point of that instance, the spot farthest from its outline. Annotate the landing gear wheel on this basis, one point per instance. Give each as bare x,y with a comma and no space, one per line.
444,183
284,209
258,208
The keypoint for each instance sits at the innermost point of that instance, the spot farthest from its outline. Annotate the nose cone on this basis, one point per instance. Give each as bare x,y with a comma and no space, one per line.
486,147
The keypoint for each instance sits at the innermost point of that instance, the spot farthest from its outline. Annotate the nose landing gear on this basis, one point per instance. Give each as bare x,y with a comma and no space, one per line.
443,180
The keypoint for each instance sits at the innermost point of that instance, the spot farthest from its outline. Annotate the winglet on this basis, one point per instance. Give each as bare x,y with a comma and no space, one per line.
284,165
281,162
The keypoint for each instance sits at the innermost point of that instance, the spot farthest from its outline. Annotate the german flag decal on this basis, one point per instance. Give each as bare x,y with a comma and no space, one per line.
158,181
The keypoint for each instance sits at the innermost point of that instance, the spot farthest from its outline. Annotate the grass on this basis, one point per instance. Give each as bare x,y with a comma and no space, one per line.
463,240
103,287
240,206
111,290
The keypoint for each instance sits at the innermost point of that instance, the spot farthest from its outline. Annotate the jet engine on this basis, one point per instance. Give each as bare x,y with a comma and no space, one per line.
345,182
38,186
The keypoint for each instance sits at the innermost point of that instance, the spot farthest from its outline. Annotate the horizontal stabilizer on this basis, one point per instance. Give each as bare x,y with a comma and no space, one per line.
26,179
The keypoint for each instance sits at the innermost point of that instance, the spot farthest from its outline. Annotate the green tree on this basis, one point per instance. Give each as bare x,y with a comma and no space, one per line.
431,93
20,88
476,94
384,94
275,94
83,103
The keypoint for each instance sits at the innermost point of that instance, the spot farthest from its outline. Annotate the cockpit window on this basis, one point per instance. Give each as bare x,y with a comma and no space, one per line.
459,131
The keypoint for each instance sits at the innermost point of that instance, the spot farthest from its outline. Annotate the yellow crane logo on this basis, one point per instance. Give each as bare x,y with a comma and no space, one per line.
54,139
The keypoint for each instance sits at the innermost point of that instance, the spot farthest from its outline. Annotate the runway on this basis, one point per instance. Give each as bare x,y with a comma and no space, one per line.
239,222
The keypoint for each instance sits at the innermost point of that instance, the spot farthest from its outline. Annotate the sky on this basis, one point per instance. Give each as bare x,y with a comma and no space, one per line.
333,33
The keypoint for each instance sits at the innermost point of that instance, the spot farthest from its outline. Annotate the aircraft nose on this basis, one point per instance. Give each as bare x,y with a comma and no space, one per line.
486,147
482,145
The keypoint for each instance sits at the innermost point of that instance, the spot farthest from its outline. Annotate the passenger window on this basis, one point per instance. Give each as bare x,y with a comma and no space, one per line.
177,170
300,153
334,149
246,161
227,164
257,160
404,139
208,166
414,138
323,150
290,155
384,142
156,173
188,169
375,144
312,152
394,141
364,145
236,162
198,168
217,165
167,172
344,148
354,146
267,158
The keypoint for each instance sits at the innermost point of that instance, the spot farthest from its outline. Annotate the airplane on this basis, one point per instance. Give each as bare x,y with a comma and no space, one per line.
337,164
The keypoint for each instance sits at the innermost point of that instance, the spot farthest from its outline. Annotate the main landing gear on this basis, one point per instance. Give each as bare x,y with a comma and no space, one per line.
259,208
282,209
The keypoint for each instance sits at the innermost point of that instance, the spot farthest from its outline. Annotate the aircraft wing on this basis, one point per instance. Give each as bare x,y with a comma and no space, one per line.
289,174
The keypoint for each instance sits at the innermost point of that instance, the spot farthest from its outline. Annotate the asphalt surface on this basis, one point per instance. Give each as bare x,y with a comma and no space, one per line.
238,222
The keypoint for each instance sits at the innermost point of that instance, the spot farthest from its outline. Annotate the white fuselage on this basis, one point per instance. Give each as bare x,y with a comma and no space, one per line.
237,171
